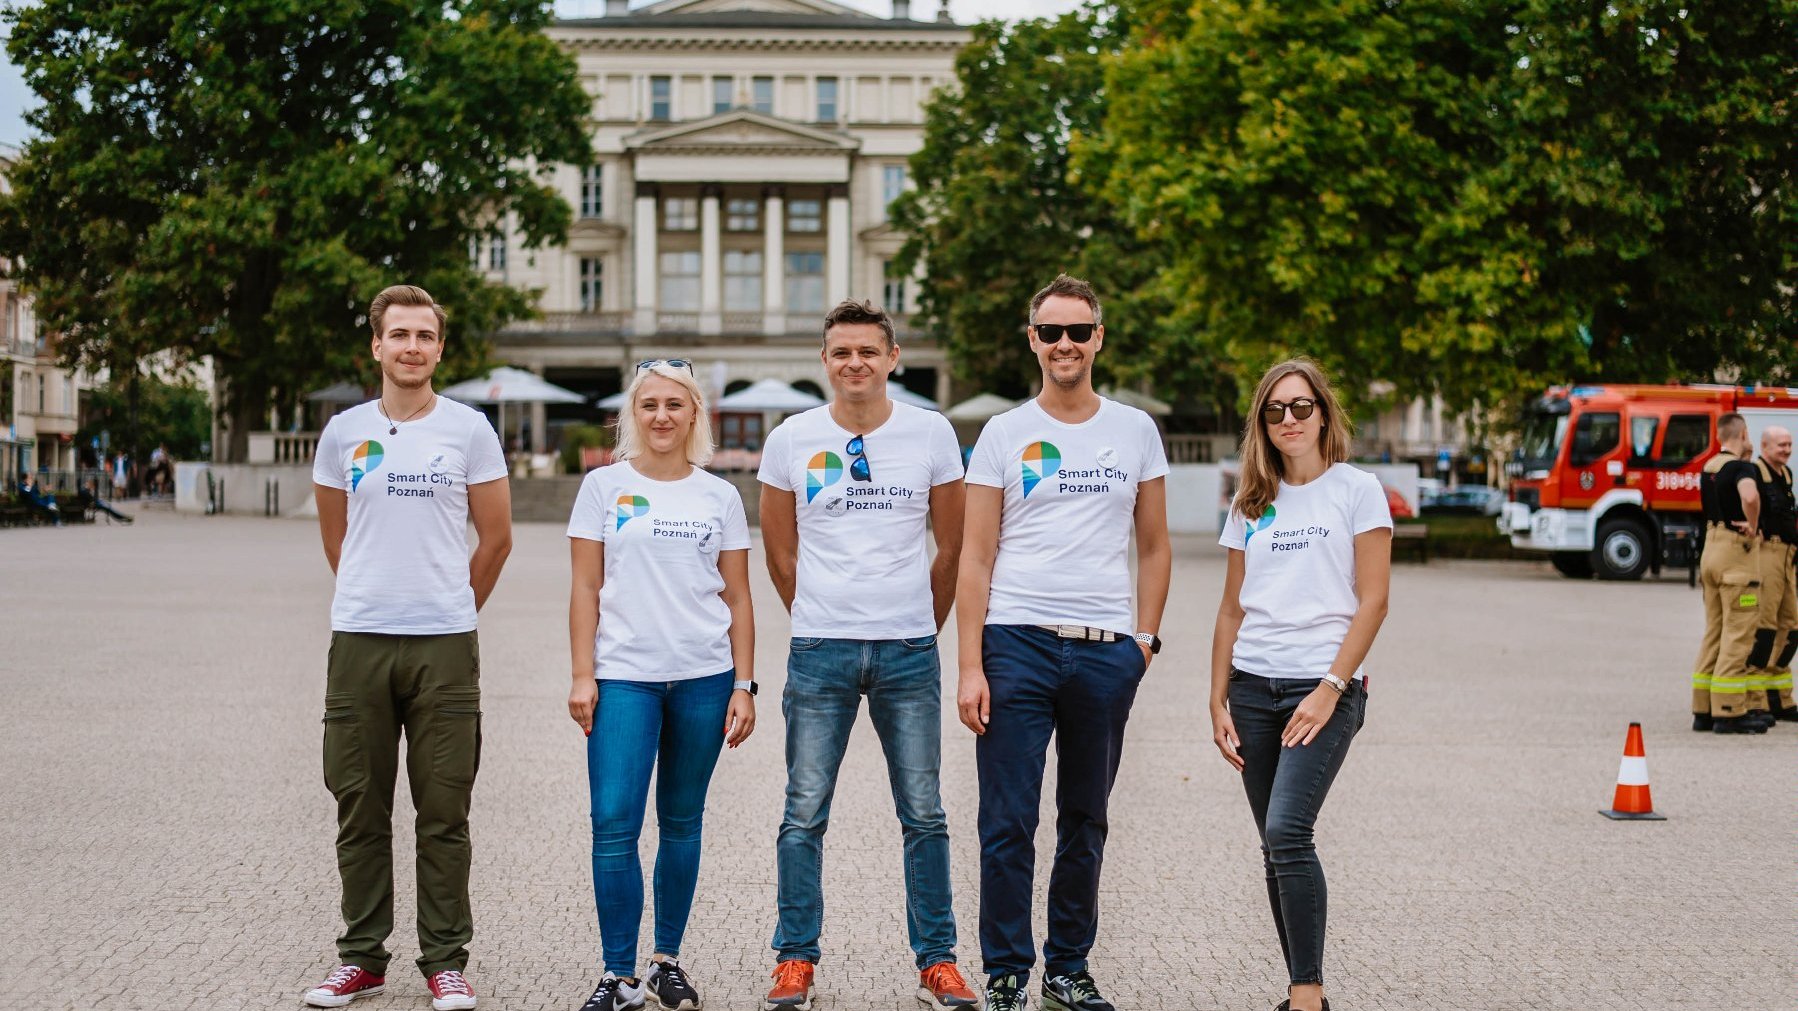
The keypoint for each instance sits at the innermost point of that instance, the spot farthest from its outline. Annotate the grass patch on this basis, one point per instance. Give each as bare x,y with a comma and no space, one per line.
1458,535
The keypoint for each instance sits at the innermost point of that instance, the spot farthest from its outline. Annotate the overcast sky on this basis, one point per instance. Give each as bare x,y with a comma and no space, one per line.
14,98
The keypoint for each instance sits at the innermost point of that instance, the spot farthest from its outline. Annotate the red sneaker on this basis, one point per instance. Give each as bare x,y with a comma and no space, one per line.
345,984
941,985
450,991
792,989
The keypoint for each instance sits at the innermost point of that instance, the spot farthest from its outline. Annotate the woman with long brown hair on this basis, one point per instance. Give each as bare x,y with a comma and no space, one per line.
1310,563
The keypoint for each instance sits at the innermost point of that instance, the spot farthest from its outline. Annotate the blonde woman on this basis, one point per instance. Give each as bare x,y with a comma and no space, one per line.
663,640
1310,562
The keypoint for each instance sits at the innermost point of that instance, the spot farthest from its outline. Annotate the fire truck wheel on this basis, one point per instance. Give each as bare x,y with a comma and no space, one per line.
1622,551
1573,566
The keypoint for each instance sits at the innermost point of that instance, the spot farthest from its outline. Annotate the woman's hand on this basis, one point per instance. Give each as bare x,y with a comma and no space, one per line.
972,700
1310,716
1223,734
739,719
581,700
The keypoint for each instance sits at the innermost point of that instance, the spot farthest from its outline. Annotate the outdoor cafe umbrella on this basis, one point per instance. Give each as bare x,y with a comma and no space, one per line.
980,408
507,385
1139,400
767,396
900,394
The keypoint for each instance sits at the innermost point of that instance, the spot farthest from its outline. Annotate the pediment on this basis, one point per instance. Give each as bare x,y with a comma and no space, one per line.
748,6
742,129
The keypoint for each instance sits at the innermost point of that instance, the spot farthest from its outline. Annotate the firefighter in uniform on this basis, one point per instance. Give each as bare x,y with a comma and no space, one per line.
1729,574
1776,634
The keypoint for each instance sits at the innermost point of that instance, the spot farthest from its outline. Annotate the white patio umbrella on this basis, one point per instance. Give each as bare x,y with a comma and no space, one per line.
767,395
614,402
338,393
980,408
1141,401
900,394
507,385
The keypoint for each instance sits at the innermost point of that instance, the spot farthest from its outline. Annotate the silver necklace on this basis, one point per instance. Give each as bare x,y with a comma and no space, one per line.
393,427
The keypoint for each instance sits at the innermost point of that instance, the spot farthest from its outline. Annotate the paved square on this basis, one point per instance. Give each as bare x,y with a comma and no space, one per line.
167,835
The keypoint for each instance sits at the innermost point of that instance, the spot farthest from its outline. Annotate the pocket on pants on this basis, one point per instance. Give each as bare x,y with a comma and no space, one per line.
345,768
1741,594
456,736
922,644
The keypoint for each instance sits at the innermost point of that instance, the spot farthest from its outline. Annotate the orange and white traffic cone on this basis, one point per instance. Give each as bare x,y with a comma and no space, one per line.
1632,802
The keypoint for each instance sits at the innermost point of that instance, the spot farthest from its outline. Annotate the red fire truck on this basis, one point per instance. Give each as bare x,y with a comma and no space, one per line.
1606,477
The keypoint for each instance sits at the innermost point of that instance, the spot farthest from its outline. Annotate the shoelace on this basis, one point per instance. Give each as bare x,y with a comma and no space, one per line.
342,975
1004,994
789,973
604,994
1082,986
944,976
671,971
449,981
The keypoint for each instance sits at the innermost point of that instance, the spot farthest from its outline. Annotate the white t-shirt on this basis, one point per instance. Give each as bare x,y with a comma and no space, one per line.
661,616
404,565
1298,584
1070,508
864,558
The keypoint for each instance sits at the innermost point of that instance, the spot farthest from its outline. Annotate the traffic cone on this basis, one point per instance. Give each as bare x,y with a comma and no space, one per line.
1632,802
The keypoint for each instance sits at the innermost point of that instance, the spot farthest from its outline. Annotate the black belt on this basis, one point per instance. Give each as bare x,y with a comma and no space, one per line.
1083,632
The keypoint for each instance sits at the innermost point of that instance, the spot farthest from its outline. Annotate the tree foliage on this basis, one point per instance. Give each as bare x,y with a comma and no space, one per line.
154,412
239,179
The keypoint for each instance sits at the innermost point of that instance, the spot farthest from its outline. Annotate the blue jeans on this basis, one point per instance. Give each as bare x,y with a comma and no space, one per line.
634,724
1286,788
826,679
1080,692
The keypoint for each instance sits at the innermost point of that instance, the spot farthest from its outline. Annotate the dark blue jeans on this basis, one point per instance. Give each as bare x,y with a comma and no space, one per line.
1286,787
1080,692
678,727
826,679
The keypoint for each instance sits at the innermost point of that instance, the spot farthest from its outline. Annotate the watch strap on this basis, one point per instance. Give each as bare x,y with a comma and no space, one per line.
746,686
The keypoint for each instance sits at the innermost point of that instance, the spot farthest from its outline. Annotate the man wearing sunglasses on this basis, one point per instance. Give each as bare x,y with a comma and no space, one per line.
1057,487
847,492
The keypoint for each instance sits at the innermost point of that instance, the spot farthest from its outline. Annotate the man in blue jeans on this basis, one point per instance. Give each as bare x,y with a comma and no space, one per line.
848,491
1056,488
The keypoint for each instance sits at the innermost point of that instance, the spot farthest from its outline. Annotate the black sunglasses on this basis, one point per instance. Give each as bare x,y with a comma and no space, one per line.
676,363
1051,333
1274,412
858,465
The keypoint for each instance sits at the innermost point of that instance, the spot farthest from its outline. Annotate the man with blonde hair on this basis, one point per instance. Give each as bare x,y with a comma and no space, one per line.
397,481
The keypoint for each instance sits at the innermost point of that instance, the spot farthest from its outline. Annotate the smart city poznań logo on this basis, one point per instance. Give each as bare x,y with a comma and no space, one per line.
630,507
1250,526
1041,461
824,470
366,458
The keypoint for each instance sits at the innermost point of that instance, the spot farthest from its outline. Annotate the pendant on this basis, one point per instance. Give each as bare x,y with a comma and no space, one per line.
395,430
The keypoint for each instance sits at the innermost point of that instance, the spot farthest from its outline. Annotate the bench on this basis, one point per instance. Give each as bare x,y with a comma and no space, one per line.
1412,535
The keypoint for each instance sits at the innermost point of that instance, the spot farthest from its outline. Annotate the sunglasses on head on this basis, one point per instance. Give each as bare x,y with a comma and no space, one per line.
1274,412
1051,333
673,363
858,463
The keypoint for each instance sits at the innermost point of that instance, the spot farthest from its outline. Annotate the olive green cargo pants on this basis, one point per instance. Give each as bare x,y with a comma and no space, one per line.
427,686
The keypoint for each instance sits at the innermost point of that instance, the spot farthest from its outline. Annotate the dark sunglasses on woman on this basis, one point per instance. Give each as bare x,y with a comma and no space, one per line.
1275,412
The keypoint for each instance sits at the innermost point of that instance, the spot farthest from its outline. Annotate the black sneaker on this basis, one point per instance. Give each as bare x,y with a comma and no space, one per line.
667,982
1004,993
1787,715
615,993
1073,991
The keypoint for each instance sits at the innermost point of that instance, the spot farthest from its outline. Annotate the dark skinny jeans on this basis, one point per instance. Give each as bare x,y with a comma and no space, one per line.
1286,788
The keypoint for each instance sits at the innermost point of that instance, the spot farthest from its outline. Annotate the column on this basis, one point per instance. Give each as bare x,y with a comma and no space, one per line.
774,265
836,255
539,416
644,267
711,263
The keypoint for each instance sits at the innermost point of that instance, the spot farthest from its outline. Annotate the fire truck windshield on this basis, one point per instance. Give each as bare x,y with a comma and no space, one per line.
1541,442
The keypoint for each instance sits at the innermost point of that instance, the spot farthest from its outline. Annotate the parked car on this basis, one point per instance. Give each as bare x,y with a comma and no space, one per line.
1476,499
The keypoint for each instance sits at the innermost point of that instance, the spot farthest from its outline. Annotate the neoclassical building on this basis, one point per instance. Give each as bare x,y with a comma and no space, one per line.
744,154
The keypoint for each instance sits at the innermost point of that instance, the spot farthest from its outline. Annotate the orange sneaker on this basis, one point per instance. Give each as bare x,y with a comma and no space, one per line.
792,986
941,985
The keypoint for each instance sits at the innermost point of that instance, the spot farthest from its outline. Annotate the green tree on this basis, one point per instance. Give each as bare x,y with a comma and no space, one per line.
997,210
239,179
154,413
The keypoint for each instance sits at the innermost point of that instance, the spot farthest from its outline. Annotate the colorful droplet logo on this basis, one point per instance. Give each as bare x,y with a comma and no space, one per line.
1041,460
1249,528
824,470
629,508
366,458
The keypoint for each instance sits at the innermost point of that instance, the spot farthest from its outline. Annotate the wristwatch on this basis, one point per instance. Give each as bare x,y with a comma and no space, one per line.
746,686
1337,683
1150,640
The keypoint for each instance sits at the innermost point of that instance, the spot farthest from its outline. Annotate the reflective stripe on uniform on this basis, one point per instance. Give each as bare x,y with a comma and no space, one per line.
1729,686
1756,683
1702,682
1779,682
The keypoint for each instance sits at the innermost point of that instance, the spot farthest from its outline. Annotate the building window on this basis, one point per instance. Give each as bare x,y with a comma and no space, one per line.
722,97
661,98
805,216
680,214
742,281
474,252
893,295
40,393
68,396
593,192
680,282
592,282
892,184
742,215
827,100
805,282
761,95
496,251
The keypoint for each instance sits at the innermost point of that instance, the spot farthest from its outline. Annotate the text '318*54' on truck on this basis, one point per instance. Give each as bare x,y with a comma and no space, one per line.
1606,477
